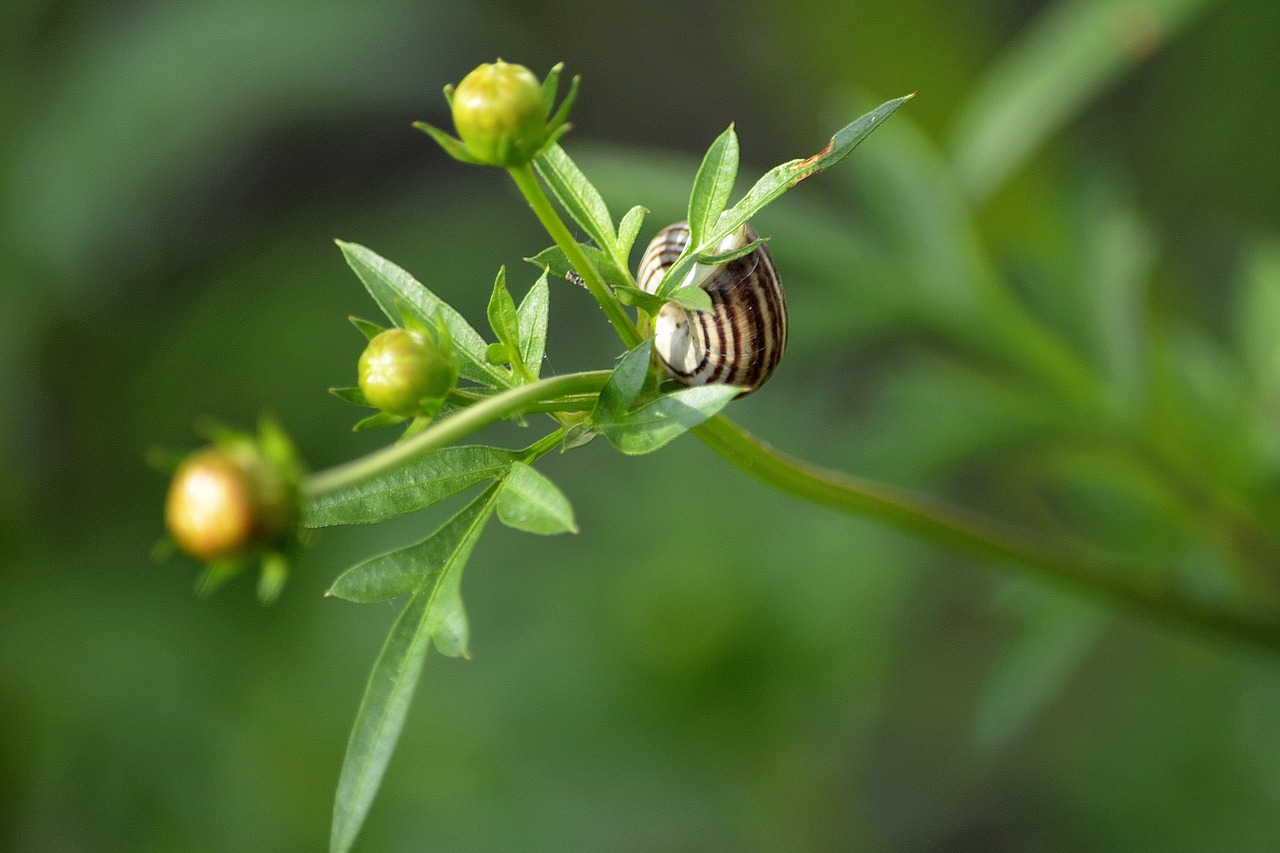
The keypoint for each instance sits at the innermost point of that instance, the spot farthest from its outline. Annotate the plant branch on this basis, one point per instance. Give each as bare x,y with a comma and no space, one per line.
1114,579
454,427
533,193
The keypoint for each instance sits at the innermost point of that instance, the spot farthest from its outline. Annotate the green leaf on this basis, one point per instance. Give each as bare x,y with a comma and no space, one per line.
396,291
556,124
576,195
624,384
366,328
637,298
502,318
424,563
455,148
666,418
531,319
1052,71
628,230
773,184
712,185
554,258
350,395
715,260
531,502
381,419
414,485
380,719
691,298
275,571
550,86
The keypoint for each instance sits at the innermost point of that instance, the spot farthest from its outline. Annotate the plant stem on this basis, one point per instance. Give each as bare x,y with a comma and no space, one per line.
533,193
1112,578
452,428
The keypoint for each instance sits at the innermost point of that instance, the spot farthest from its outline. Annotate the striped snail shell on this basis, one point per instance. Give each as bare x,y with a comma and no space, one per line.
741,339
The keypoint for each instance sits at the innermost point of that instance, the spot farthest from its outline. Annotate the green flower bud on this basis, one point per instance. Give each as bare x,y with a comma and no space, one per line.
499,113
404,372
228,501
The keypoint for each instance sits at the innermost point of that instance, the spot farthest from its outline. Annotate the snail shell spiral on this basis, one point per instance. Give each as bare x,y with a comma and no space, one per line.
741,339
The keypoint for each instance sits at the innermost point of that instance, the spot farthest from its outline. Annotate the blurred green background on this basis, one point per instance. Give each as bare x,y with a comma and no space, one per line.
1048,289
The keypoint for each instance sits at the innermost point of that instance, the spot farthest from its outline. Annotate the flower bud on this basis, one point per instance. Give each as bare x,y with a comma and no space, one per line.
404,372
227,501
499,113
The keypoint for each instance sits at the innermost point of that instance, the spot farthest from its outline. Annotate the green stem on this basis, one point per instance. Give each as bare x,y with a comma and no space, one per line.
454,427
533,193
1103,576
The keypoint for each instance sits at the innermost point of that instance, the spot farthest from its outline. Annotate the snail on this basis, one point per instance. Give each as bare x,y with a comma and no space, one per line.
739,341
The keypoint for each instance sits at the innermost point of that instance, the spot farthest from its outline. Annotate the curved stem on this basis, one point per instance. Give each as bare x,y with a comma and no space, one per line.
454,427
533,193
1118,580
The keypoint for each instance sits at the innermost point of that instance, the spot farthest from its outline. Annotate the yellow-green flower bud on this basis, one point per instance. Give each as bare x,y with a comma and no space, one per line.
224,502
499,113
402,372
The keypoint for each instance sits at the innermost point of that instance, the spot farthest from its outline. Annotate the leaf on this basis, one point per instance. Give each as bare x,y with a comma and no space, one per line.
715,260
366,328
380,718
624,384
395,291
532,503
502,318
1033,668
350,395
531,319
550,86
275,571
576,195
666,418
554,258
406,569
1072,53
712,185
637,298
414,485
773,184
455,148
692,298
628,230
381,419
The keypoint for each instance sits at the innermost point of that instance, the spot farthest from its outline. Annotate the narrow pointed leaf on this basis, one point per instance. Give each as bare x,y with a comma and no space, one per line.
350,395
637,298
395,291
666,418
773,184
455,148
531,502
502,318
381,419
550,87
275,571
414,485
712,185
742,251
692,298
531,318
554,258
366,328
380,719
576,195
628,229
404,570
624,384
557,124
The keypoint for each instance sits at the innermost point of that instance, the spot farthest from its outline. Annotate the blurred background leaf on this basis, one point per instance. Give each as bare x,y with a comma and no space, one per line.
1043,290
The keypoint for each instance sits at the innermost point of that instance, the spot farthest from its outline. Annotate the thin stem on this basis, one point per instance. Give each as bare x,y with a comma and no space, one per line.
1117,580
454,427
542,208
